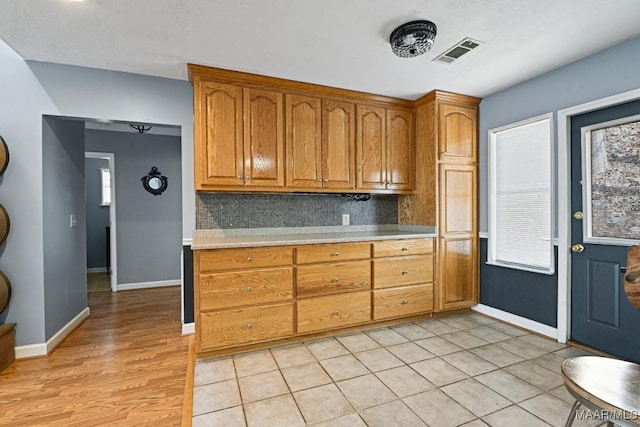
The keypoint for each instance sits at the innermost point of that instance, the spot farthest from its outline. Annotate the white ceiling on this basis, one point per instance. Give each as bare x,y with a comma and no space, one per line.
341,43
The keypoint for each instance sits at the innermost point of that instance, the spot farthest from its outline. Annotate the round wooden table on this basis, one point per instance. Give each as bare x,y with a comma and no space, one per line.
608,387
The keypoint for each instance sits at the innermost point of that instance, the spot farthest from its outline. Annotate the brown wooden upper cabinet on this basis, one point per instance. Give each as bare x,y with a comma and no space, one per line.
458,133
262,134
386,148
241,137
320,143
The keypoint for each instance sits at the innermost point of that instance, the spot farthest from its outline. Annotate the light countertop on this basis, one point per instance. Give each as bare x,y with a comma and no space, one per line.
249,237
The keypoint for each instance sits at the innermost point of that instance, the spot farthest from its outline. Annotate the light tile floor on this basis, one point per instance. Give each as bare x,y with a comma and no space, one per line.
465,370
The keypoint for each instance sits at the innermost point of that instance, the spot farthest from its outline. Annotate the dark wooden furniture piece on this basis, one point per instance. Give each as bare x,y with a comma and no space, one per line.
7,345
611,387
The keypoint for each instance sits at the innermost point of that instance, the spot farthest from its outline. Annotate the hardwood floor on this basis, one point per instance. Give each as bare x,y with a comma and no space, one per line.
124,366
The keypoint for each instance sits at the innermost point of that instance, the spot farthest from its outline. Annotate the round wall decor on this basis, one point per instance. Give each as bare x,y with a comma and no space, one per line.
4,155
5,291
5,225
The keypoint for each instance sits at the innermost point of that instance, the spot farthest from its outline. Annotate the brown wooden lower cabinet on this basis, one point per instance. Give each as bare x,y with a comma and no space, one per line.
333,278
402,301
398,271
248,296
333,312
238,288
227,328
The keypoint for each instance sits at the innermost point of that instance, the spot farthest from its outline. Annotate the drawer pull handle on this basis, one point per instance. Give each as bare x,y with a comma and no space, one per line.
249,325
405,272
249,259
335,254
249,289
405,301
337,279
405,249
337,313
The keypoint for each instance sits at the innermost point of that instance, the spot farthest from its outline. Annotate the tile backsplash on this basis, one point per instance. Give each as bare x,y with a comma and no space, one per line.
236,210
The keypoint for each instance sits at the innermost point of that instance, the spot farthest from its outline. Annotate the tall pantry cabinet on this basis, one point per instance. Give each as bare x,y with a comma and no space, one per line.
447,193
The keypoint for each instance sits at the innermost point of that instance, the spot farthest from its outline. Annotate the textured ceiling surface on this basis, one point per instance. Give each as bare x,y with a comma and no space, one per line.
342,43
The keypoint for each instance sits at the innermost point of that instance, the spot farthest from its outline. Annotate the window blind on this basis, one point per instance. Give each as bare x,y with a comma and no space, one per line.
520,208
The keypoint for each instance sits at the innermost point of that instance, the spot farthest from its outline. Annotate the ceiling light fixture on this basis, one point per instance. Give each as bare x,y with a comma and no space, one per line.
141,128
413,38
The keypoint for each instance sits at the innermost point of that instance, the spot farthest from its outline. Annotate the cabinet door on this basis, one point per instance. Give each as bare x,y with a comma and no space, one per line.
401,151
458,246
304,153
219,156
338,144
458,135
263,138
371,150
458,200
458,273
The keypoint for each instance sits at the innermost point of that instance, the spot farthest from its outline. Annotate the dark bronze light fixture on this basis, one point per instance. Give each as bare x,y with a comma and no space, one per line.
413,38
141,128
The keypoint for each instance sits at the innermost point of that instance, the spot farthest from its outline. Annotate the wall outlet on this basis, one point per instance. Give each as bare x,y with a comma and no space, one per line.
345,219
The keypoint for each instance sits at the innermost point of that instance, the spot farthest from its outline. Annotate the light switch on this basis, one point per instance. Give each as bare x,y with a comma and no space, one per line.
72,221
345,219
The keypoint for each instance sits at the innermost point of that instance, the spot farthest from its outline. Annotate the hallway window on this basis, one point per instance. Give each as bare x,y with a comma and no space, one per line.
520,197
105,179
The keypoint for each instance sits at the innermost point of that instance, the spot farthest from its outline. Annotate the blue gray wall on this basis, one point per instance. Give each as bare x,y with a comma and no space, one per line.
607,73
33,89
65,280
148,227
229,210
97,215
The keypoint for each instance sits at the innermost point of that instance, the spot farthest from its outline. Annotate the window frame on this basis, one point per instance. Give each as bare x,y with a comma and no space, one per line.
105,192
492,196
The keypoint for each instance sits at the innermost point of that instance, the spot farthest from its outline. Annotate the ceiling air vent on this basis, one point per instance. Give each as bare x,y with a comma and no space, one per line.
459,49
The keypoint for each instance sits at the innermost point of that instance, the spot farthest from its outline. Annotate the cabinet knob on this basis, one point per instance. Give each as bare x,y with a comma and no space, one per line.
405,272
405,249
405,301
337,313
335,254
240,176
326,180
249,259
249,289
337,279
319,179
248,177
249,325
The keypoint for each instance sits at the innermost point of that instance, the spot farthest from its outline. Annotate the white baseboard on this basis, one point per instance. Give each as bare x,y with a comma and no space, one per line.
144,285
523,322
188,328
43,349
97,270
31,350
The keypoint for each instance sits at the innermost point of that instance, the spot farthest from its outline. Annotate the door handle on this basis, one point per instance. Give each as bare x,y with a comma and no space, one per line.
577,248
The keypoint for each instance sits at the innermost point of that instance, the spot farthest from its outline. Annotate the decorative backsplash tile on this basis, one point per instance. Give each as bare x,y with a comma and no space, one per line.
234,210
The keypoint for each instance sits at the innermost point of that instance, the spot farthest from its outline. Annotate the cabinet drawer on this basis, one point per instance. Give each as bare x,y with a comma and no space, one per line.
232,327
247,287
326,279
405,301
387,248
331,312
332,252
389,272
230,259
